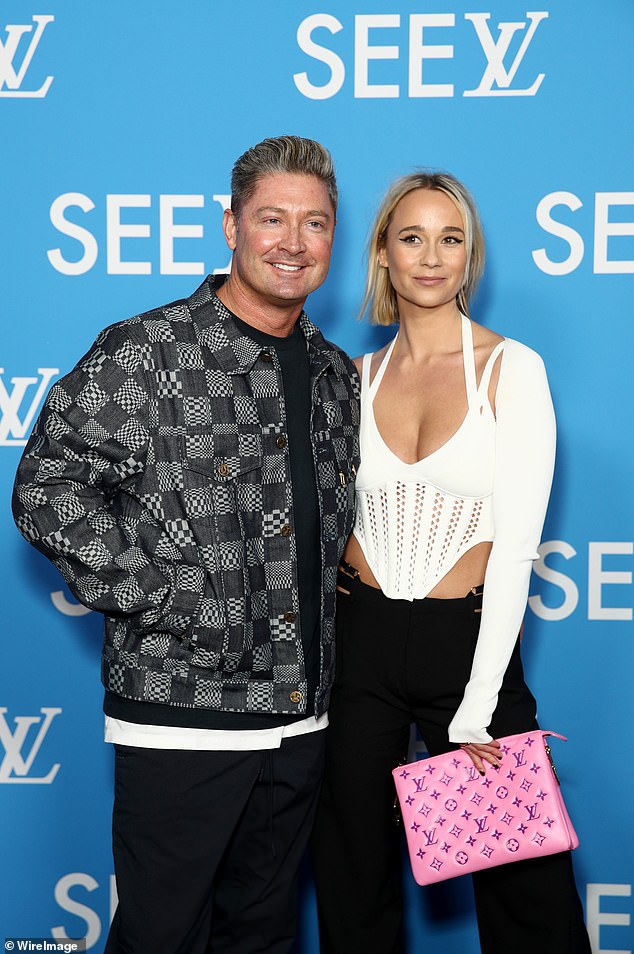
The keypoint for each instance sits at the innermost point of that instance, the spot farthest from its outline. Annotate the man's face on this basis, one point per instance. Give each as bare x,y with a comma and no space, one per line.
282,239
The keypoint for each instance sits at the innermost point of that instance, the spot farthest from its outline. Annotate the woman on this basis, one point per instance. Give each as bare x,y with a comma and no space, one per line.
457,453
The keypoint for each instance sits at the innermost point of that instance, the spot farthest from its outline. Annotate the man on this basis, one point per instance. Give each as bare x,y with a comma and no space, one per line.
193,479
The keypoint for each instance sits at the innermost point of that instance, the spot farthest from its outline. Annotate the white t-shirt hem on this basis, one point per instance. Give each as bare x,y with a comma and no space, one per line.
209,740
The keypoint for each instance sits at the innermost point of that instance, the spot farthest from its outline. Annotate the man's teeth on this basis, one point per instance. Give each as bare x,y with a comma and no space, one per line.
286,268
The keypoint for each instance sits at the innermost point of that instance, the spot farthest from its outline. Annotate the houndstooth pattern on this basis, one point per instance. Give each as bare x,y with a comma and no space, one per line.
154,482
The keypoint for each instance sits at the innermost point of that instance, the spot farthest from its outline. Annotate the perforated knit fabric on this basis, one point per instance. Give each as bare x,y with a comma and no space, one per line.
490,481
415,521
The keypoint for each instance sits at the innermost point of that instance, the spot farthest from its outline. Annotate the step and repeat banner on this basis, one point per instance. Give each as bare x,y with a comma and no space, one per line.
119,123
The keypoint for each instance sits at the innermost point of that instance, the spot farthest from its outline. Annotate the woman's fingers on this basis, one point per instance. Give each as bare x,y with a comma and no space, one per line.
480,753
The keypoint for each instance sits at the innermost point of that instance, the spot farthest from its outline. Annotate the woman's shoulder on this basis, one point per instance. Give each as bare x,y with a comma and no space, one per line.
522,357
515,351
485,338
375,358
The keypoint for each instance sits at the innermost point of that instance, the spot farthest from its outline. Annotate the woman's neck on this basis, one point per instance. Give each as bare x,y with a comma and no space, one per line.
424,333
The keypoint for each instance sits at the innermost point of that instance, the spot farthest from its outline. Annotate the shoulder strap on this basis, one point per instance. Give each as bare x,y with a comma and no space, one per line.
488,369
468,361
378,377
365,373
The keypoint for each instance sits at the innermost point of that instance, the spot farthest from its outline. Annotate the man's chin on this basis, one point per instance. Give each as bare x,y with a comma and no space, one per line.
291,293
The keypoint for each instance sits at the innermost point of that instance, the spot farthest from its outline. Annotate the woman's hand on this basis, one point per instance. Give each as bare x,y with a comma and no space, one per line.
482,752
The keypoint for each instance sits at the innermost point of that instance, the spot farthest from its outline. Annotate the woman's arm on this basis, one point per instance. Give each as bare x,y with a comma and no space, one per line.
524,462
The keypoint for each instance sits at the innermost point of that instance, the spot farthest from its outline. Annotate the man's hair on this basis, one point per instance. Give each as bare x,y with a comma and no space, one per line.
285,154
380,297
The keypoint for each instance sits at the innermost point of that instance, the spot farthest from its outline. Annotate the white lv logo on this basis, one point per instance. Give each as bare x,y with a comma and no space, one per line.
496,79
11,79
14,768
11,402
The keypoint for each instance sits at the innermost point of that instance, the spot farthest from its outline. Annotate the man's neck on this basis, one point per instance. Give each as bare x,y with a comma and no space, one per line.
273,319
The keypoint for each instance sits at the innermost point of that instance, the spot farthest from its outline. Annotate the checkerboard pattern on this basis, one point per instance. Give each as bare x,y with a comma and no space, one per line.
154,482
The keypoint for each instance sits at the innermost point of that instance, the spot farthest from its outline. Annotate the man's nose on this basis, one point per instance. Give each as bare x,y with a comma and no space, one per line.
292,240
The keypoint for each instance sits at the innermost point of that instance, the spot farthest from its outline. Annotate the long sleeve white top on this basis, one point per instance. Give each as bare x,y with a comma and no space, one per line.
489,482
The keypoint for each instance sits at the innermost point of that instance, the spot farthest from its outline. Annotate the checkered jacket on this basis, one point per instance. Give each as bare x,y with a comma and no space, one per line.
157,479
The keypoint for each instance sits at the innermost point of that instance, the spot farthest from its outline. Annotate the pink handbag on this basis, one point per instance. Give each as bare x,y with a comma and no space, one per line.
458,821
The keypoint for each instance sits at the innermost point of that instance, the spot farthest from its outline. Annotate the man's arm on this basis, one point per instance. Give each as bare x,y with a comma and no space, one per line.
74,497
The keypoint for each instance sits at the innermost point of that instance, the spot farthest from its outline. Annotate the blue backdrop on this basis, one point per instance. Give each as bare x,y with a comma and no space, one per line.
119,124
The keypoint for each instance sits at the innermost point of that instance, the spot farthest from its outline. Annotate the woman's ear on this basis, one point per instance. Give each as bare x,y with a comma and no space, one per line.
382,257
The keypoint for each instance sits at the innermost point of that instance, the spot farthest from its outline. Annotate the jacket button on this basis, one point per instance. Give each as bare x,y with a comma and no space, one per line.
222,469
295,696
290,616
286,530
281,441
266,356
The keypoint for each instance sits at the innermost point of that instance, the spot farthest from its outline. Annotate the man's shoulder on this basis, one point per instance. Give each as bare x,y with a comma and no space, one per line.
340,361
170,322
344,361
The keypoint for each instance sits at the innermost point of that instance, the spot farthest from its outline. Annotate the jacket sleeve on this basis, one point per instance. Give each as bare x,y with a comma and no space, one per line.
74,496
524,463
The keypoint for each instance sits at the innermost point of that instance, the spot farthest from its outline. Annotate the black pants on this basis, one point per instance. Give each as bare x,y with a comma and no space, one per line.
207,846
400,662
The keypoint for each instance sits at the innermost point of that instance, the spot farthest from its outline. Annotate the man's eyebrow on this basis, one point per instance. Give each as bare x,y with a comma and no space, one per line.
309,212
421,228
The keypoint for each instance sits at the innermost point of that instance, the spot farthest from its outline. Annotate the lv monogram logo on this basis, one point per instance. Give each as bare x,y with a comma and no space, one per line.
16,766
497,80
12,76
533,814
430,836
13,427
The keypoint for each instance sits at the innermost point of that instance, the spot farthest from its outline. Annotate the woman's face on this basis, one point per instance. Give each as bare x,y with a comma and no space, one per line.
425,251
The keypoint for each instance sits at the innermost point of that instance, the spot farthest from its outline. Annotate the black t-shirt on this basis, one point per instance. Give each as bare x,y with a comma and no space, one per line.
293,357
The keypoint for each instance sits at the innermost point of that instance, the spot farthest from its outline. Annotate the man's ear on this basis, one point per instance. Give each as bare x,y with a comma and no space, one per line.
230,228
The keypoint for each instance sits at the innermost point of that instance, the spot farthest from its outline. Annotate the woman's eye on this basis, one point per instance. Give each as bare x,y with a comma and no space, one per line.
453,240
410,239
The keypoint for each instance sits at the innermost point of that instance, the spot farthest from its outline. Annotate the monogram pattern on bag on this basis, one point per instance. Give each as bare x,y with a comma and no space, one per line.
457,821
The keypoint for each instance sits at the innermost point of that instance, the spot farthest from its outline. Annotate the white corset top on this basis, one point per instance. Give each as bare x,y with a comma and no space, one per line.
415,521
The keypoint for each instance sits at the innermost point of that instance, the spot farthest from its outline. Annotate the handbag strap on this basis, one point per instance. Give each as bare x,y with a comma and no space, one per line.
555,735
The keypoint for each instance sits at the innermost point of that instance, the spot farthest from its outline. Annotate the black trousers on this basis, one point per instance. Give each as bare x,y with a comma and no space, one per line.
207,847
400,662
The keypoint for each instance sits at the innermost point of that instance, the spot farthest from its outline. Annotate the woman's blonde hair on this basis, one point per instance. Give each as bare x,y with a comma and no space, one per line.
380,297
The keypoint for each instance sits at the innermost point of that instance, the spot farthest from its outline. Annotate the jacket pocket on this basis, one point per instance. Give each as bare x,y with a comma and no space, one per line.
222,476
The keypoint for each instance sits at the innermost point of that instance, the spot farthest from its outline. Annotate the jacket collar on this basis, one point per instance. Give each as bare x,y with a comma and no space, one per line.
235,353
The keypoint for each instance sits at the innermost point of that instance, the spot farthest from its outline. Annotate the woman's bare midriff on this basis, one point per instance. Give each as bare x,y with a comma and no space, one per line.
467,572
